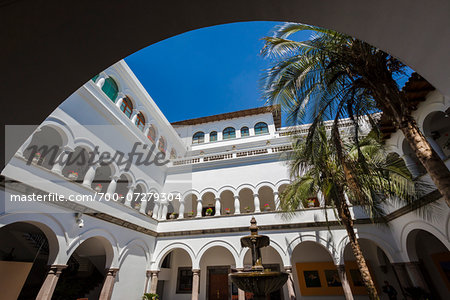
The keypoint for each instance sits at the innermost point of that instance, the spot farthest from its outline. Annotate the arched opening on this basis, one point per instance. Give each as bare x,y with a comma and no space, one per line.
175,277
140,121
86,270
24,255
216,263
208,203
247,204
152,133
436,128
198,138
110,88
431,263
271,261
162,144
45,147
150,205
261,128
266,199
77,164
229,133
227,202
127,107
380,268
314,271
122,187
213,136
136,203
245,131
130,280
190,203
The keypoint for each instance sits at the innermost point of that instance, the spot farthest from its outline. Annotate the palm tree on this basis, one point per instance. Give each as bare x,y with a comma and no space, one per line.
317,168
333,70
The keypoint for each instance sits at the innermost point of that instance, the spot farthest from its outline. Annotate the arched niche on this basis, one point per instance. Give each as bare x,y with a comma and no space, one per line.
266,198
247,204
227,201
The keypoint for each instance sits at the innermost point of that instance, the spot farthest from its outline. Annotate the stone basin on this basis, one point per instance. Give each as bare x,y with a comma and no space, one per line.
260,283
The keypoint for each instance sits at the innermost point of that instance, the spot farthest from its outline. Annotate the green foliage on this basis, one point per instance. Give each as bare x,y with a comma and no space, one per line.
149,296
316,169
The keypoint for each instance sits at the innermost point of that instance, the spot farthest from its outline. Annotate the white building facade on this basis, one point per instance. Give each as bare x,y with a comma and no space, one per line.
172,225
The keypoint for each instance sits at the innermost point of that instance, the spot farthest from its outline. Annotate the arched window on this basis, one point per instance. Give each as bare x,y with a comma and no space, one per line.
162,144
229,133
198,137
245,131
213,136
261,128
110,88
140,121
127,107
152,133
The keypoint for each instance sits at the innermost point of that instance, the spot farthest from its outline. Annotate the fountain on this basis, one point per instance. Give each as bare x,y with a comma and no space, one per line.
256,280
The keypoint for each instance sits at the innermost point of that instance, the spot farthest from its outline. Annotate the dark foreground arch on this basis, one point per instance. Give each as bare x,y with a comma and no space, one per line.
52,47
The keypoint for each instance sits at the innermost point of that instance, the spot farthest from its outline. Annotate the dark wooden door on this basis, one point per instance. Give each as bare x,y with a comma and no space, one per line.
218,287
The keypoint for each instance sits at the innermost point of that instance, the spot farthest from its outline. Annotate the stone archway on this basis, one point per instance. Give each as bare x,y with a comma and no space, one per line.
24,254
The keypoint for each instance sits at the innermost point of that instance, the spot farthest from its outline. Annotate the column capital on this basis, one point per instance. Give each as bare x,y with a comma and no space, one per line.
236,197
196,271
276,193
288,269
255,195
217,198
112,272
115,177
67,149
57,269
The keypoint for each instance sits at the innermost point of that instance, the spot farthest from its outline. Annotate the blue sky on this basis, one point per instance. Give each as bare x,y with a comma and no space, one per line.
204,72
207,71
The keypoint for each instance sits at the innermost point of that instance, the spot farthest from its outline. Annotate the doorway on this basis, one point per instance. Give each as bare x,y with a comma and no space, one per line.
217,285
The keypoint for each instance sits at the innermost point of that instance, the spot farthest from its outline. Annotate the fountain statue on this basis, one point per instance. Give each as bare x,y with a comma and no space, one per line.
256,280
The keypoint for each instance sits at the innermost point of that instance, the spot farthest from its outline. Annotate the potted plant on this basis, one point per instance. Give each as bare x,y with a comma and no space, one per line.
98,188
227,211
209,211
311,202
137,205
266,207
247,209
150,296
72,175
172,216
36,158
190,214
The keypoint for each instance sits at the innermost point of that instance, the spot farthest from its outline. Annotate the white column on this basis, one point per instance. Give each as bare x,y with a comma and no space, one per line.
217,206
59,163
119,102
129,197
134,115
155,210
276,199
195,284
237,205
154,282
256,203
112,185
144,202
435,146
163,215
101,80
181,210
199,208
90,175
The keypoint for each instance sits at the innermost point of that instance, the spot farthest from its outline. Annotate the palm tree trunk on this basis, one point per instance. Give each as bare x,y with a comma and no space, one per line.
393,103
346,219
